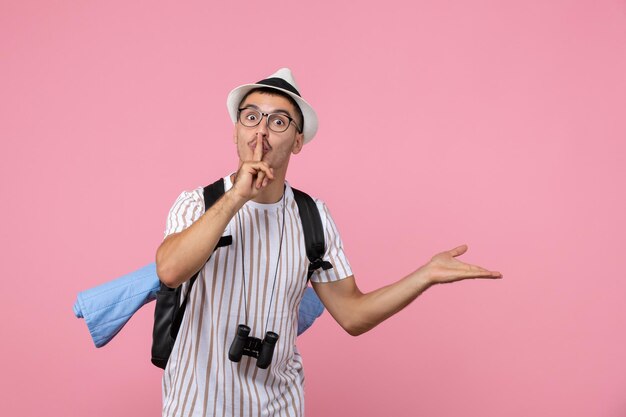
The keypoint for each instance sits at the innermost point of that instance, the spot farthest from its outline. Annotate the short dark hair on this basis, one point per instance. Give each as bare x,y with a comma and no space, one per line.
274,92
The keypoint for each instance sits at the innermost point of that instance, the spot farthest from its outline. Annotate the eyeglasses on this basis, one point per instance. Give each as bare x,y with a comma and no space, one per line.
277,122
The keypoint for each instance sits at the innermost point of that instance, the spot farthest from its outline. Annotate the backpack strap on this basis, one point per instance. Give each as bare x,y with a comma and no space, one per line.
169,311
212,193
313,232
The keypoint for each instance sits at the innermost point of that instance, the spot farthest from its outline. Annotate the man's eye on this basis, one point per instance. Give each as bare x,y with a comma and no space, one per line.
280,121
252,117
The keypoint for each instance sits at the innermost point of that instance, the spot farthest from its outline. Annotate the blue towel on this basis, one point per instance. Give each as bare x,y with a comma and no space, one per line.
310,308
108,307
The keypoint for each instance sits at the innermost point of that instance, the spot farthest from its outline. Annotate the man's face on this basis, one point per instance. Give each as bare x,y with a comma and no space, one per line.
277,146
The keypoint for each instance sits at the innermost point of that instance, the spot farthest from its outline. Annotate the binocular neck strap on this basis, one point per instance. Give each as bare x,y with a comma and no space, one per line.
243,269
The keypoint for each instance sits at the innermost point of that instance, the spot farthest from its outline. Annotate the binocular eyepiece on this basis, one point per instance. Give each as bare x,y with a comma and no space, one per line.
244,344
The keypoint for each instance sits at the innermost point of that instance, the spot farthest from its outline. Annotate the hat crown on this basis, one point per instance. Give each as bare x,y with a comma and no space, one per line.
285,74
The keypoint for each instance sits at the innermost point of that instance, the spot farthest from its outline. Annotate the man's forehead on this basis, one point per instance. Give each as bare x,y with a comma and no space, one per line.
268,102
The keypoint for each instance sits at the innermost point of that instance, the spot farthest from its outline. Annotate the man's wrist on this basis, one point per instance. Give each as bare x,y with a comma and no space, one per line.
234,201
422,279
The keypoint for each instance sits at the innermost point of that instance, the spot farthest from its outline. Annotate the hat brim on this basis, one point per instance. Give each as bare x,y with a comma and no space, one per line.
309,115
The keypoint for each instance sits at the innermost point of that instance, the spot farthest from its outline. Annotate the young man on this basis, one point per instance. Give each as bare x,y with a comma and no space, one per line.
259,279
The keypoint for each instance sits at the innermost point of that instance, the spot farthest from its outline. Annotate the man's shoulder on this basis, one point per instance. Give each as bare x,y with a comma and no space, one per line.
195,195
322,208
320,203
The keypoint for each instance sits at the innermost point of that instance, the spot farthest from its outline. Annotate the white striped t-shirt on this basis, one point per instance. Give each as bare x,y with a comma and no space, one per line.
199,379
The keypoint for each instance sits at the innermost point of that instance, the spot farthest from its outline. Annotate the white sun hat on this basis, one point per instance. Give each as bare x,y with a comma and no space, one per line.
282,80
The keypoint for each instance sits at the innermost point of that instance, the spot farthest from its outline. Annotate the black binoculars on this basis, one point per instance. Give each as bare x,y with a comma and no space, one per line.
243,344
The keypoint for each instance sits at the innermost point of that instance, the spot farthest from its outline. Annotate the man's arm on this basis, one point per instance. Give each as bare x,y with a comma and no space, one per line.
182,254
358,313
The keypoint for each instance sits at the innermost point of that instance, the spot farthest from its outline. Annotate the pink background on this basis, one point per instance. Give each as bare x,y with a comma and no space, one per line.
500,124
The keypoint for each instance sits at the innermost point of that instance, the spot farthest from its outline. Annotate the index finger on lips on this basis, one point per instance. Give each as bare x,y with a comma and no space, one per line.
258,149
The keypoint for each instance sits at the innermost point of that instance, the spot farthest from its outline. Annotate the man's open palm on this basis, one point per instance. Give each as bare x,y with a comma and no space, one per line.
444,267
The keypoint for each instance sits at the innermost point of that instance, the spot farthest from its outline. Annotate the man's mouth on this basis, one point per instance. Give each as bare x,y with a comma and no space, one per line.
266,146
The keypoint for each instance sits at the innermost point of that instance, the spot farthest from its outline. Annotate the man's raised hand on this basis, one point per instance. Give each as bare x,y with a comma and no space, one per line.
253,175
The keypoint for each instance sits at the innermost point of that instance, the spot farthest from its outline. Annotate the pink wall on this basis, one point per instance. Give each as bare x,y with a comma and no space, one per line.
500,124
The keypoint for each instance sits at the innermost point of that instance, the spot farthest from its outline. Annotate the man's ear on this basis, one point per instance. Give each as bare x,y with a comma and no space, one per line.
298,143
235,135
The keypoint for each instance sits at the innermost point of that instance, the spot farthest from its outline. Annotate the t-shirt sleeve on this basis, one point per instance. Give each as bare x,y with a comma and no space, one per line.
187,208
334,251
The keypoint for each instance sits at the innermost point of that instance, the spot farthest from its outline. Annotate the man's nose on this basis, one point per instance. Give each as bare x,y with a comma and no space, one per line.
262,128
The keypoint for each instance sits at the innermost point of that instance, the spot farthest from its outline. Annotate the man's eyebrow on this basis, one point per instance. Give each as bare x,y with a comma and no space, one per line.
273,111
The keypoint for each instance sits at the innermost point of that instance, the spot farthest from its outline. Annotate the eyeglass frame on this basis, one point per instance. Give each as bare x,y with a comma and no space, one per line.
291,119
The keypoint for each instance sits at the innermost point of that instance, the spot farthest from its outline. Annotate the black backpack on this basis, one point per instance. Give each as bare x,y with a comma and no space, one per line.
169,311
